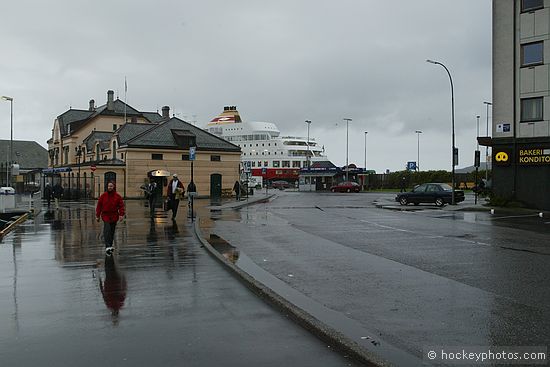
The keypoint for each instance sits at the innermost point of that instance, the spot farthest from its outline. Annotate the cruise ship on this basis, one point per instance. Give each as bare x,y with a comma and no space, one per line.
265,152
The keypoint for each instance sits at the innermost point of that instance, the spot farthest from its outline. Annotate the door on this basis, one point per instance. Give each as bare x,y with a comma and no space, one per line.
215,186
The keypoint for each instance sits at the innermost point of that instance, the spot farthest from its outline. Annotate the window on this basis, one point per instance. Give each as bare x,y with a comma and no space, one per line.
156,157
532,54
185,157
276,164
215,158
286,164
529,5
253,163
296,164
259,163
265,163
114,127
121,155
531,109
97,152
114,149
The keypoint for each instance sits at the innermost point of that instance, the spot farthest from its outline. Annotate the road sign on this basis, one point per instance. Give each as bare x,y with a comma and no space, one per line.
411,166
247,166
192,151
93,167
264,170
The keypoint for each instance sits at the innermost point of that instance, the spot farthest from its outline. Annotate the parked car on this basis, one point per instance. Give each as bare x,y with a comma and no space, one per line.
346,186
280,184
437,193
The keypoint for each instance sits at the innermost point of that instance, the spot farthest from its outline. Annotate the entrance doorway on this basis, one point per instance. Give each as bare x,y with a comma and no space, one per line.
215,186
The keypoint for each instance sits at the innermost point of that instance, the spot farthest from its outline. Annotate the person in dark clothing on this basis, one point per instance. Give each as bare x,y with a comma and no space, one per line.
110,208
403,184
237,189
175,192
151,192
57,193
48,193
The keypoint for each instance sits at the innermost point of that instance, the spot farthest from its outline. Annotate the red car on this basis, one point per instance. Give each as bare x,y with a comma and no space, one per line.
346,186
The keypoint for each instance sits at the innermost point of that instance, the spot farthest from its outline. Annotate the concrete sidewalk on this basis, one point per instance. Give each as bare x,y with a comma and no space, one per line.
161,301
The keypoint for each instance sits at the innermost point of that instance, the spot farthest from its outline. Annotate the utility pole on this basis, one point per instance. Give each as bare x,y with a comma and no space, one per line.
347,120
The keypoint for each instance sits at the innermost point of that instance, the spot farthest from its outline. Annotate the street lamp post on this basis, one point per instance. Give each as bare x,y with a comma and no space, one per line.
476,156
418,132
347,147
10,99
308,122
486,147
78,152
453,126
366,132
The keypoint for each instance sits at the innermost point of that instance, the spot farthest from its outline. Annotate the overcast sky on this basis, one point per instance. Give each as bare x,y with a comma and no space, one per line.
282,61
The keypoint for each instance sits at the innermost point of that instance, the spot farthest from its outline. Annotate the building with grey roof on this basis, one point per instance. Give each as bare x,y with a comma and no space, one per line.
116,142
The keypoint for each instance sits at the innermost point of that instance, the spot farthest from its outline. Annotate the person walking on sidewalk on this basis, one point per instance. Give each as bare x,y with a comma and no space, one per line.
175,192
57,193
151,192
237,189
110,208
48,193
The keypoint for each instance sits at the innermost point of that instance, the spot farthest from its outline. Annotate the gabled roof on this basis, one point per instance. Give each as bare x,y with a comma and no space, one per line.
131,130
103,137
161,136
77,118
28,154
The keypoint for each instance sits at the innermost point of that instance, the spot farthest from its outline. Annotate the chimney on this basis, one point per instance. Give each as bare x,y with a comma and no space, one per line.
92,105
166,112
110,100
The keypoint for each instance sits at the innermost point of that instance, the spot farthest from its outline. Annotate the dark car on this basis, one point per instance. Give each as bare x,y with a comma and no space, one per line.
280,184
346,186
437,193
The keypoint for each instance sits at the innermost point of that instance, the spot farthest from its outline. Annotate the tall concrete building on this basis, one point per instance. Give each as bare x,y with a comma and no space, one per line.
521,101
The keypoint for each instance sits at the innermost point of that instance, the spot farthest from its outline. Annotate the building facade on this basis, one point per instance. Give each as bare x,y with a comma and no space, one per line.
521,101
115,142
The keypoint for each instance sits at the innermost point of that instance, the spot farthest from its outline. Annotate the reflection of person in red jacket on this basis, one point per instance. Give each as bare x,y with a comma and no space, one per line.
110,208
113,288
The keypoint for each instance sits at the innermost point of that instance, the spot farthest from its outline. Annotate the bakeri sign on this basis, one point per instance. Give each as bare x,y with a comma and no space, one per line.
534,156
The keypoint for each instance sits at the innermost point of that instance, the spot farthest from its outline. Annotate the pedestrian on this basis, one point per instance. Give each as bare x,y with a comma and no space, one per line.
48,193
110,208
237,189
403,184
151,193
191,193
175,192
57,193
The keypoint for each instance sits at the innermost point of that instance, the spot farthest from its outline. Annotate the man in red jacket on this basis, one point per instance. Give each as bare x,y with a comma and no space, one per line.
110,208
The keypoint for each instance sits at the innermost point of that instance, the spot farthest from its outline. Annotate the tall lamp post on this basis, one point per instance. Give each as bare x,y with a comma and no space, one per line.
78,152
10,99
418,132
454,152
366,132
308,122
347,147
486,147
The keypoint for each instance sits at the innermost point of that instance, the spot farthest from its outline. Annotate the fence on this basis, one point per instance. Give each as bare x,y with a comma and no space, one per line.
74,188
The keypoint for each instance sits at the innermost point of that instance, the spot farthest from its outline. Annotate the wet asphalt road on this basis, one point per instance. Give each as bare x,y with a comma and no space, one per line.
415,279
163,301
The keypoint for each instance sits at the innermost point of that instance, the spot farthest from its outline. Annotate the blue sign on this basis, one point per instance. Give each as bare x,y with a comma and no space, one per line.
411,166
264,170
192,151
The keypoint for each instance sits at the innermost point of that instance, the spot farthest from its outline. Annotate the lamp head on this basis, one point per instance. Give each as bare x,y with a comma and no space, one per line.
431,61
6,98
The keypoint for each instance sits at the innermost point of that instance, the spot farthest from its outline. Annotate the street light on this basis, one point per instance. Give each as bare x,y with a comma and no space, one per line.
418,132
477,136
78,152
366,132
454,153
347,147
486,147
308,122
10,99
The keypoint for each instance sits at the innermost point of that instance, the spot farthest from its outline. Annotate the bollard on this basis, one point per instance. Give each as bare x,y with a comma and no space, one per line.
492,211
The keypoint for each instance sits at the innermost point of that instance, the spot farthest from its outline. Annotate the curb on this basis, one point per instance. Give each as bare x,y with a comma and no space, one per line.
304,319
12,225
242,204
